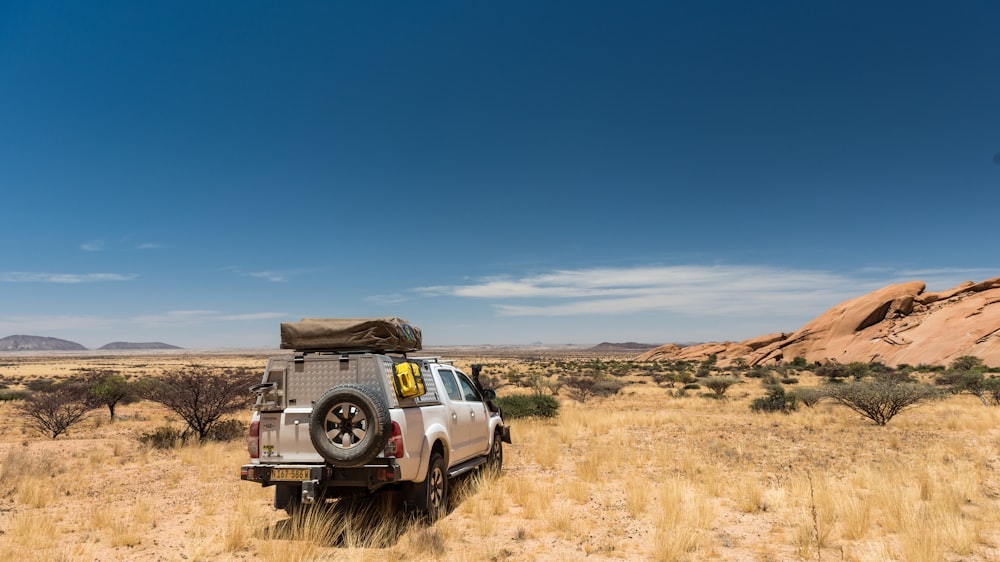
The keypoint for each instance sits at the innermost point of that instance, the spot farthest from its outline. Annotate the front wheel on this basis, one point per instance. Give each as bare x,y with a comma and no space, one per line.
494,460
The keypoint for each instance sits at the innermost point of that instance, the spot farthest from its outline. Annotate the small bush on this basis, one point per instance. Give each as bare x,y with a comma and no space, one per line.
524,406
227,430
719,385
776,400
691,386
809,396
165,437
11,395
789,380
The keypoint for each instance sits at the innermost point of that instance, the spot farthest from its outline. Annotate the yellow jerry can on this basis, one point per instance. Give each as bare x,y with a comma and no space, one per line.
409,381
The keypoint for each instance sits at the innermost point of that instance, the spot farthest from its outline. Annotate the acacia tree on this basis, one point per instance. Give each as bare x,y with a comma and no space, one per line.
199,396
109,388
55,410
879,399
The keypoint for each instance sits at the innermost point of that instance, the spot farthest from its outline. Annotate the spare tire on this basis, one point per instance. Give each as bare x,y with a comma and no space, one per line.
350,425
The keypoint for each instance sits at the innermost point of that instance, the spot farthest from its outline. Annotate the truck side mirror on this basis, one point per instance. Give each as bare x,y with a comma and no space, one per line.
489,394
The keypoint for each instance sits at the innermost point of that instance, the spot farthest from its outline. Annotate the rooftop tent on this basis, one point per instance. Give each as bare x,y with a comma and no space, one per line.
349,334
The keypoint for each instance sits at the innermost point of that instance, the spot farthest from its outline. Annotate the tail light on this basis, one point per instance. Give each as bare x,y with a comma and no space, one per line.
394,447
253,440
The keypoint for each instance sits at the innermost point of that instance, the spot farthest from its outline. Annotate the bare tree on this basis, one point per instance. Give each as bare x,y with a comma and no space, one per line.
879,399
55,410
201,397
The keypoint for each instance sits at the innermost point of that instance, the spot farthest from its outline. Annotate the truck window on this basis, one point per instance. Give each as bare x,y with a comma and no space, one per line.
468,390
450,386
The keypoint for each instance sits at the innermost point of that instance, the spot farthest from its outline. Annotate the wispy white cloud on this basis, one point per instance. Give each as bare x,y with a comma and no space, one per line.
394,298
194,317
149,246
36,277
700,290
93,246
272,276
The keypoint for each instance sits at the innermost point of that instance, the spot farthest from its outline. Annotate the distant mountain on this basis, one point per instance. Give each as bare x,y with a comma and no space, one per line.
137,345
38,343
627,346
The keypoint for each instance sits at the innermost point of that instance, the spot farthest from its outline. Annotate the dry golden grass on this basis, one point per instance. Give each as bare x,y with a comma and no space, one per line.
641,476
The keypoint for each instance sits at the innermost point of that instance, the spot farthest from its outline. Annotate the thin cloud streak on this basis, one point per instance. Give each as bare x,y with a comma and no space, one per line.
35,277
272,276
696,290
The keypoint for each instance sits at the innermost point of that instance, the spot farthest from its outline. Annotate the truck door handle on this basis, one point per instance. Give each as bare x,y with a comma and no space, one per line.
472,413
454,416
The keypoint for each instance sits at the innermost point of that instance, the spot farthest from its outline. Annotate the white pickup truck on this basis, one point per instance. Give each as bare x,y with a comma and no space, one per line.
336,423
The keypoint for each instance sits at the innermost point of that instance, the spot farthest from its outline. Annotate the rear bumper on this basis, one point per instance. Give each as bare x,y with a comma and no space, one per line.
322,476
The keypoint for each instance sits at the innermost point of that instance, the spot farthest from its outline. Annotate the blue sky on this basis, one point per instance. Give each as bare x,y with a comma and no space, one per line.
495,172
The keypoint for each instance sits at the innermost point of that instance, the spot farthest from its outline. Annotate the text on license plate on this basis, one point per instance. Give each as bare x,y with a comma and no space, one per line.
289,474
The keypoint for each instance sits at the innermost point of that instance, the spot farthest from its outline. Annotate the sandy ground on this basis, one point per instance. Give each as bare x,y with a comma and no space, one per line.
594,486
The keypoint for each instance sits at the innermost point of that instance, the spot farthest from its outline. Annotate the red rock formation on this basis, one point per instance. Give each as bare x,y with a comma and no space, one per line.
894,325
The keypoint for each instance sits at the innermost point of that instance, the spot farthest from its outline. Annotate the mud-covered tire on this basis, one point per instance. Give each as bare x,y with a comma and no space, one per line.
350,425
430,497
494,459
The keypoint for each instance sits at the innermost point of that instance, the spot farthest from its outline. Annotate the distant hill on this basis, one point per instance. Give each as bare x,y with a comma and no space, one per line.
627,346
138,345
38,343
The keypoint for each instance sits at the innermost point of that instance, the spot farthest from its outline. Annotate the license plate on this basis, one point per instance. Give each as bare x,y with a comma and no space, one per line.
289,474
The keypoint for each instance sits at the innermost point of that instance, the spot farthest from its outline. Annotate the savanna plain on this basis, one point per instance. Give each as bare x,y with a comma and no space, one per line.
651,472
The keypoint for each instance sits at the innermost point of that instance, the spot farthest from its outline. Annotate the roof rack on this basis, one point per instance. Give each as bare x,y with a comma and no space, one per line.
435,359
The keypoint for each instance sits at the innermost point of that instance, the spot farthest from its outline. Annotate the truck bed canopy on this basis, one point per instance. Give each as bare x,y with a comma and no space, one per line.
350,334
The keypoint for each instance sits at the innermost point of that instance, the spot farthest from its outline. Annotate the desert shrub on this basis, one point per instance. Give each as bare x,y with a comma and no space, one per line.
776,400
227,430
41,384
831,370
11,395
583,387
880,399
719,385
809,396
691,386
757,372
789,380
525,406
165,437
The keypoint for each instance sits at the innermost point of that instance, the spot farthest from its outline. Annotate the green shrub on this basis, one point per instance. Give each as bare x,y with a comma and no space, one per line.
776,400
524,406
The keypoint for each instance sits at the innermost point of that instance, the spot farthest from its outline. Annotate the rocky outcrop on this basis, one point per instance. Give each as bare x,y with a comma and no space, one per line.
898,324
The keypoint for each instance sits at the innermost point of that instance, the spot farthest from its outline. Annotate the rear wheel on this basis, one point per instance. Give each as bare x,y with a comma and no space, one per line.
430,497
